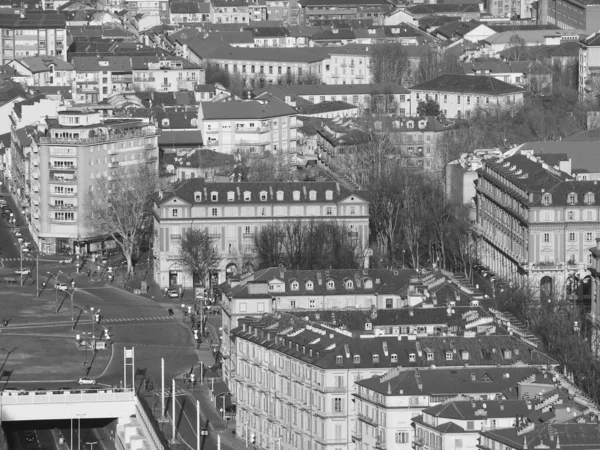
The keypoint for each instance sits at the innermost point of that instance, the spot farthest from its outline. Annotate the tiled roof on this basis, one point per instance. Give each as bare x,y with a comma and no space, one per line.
323,107
334,35
467,84
496,67
232,37
321,346
177,118
442,8
99,31
268,32
572,436
180,138
37,64
302,55
186,189
190,8
126,63
306,3
9,90
203,158
249,109
33,19
341,89
436,21
494,409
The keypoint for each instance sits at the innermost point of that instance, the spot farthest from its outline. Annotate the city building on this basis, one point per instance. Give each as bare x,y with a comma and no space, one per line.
263,125
531,75
43,71
301,384
589,66
238,11
68,153
460,95
158,9
32,33
580,434
198,163
190,12
311,12
534,220
101,77
233,212
570,14
529,38
261,66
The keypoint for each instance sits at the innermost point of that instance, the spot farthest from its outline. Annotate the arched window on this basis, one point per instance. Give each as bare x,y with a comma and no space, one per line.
589,198
547,199
572,198
295,286
330,284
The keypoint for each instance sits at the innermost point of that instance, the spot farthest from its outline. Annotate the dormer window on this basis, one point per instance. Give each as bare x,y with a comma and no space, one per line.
330,284
368,283
546,199
214,196
295,286
247,196
263,196
279,196
429,356
375,359
309,286
194,122
589,198
349,284
572,198
230,196
328,195
339,360
312,195
410,124
412,357
448,356
394,358
197,196
165,122
465,355
356,359
296,196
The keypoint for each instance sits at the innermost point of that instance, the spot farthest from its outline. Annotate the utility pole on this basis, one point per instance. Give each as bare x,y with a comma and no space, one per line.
162,381
197,424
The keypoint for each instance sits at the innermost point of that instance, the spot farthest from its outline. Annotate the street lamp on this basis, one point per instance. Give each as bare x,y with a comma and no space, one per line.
79,339
71,294
55,287
91,444
79,416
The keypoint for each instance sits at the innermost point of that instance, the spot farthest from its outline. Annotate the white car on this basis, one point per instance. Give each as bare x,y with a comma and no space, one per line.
60,287
25,249
86,380
18,234
23,272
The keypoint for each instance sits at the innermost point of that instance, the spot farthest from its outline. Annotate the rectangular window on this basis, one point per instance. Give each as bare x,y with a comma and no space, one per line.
328,211
214,212
589,236
337,404
175,212
247,229
546,237
571,237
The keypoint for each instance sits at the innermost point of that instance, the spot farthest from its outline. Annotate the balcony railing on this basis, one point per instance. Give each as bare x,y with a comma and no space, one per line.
335,75
122,79
418,444
212,144
356,434
144,80
97,139
87,81
253,130
90,89
150,146
63,207
54,167
335,389
63,180
380,445
367,419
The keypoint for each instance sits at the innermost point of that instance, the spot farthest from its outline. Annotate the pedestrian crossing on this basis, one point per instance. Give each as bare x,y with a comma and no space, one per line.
168,391
139,319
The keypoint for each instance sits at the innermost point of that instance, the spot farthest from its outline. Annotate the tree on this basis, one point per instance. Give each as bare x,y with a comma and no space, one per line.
389,63
428,107
307,245
120,206
434,62
198,254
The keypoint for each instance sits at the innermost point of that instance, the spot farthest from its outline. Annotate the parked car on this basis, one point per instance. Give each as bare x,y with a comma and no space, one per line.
172,293
86,380
23,272
25,249
60,287
30,436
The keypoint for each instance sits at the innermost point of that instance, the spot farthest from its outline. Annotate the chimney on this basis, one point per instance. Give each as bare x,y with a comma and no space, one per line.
501,406
473,376
598,243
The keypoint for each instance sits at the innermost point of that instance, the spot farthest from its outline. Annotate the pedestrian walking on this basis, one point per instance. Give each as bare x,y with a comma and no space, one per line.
165,292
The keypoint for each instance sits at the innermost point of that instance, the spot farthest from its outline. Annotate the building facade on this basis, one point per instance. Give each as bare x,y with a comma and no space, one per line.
589,66
233,212
67,154
43,71
314,12
32,33
255,126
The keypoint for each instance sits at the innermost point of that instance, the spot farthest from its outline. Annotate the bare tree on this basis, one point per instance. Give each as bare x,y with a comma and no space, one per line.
197,253
389,63
120,206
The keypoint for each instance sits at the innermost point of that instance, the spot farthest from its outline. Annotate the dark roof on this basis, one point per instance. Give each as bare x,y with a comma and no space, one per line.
337,89
436,21
306,3
18,106
572,436
467,84
313,54
33,19
249,109
179,138
443,8
5,139
203,158
186,189
9,90
266,32
334,35
190,8
184,118
323,107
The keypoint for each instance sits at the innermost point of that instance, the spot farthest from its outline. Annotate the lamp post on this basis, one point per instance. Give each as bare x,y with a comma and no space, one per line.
21,261
91,444
183,311
79,338
79,416
55,288
71,294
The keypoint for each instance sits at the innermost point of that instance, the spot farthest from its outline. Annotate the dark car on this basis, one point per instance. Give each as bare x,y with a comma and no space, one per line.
30,436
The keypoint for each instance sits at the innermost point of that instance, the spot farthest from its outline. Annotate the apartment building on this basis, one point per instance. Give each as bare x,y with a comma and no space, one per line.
460,95
589,66
534,219
100,77
233,212
68,153
263,125
457,424
260,66
32,33
156,8
583,433
312,12
531,75
348,65
190,12
43,71
238,11
570,14
385,98
298,383
394,410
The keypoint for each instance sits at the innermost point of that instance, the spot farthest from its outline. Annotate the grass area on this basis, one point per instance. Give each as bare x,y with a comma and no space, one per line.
48,358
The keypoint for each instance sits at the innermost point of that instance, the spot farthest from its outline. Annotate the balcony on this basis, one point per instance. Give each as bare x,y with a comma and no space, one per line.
335,75
62,168
418,444
144,80
331,441
63,180
212,144
253,130
122,79
380,445
150,146
356,434
89,89
335,389
360,76
63,207
370,420
87,81
98,139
